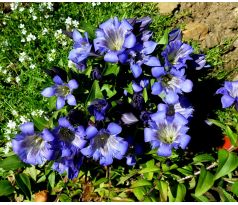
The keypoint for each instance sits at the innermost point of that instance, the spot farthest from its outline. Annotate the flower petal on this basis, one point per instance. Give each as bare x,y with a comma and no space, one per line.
136,87
227,101
91,132
58,80
149,47
48,92
71,100
87,151
111,57
73,84
27,128
156,88
114,128
47,135
164,150
136,70
157,72
76,35
63,122
187,86
152,61
171,98
159,116
149,134
130,41
60,102
184,140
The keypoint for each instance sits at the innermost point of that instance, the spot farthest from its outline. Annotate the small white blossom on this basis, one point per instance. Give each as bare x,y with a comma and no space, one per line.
4,71
68,21
23,119
32,66
71,64
34,17
22,57
31,10
23,40
64,43
23,31
17,80
21,26
47,16
14,6
50,59
7,147
8,79
21,9
30,37
33,113
4,23
53,50
14,112
11,124
45,30
40,112
75,23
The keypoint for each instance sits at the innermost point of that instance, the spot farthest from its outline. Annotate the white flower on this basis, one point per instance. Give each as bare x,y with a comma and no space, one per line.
68,21
8,79
4,71
71,64
17,80
7,147
50,6
4,23
23,40
64,43
31,10
14,112
45,30
30,37
21,9
40,112
33,113
23,119
21,26
94,4
32,66
34,17
11,124
53,50
23,31
75,23
22,57
47,16
13,6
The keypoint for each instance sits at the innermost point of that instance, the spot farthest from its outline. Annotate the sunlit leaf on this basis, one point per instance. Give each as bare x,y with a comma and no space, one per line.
6,188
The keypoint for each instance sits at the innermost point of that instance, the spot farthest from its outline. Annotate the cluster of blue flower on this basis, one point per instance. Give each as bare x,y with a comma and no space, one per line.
126,43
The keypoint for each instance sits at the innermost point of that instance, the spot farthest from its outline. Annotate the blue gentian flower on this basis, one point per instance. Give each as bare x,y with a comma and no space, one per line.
130,160
173,80
230,94
33,147
113,38
175,35
105,144
143,84
69,139
81,50
172,108
141,24
98,108
166,135
198,62
176,54
62,90
70,165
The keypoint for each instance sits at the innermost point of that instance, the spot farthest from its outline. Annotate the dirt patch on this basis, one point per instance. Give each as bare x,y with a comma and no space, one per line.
211,24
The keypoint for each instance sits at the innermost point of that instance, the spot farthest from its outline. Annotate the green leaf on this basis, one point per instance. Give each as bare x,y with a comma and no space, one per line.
205,182
94,93
65,198
228,197
149,170
51,179
234,188
217,123
40,122
109,90
6,188
100,181
186,170
123,179
232,136
11,163
140,193
203,158
88,28
227,162
163,190
200,198
145,95
141,182
164,39
24,184
181,192
32,171
112,69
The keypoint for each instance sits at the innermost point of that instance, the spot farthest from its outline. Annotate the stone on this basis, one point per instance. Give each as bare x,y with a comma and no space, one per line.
235,44
212,40
167,7
195,31
235,12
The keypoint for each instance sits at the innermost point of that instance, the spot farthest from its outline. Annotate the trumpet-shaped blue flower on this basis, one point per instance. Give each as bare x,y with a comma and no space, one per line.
62,90
230,94
166,135
170,81
33,147
98,108
81,50
139,87
68,138
176,54
113,38
105,144
70,165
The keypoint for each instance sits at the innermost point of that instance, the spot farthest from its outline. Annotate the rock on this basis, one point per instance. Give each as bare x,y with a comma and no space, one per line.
195,31
235,12
235,44
212,40
167,7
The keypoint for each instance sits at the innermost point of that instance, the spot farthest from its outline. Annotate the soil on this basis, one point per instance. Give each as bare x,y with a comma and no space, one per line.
211,24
